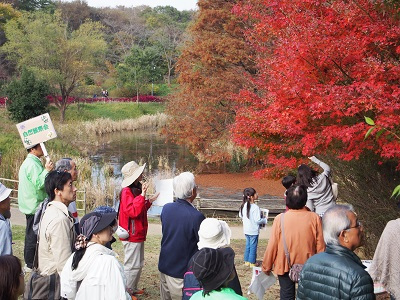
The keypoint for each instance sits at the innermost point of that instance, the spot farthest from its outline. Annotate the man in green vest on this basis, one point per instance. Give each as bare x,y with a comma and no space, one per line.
31,193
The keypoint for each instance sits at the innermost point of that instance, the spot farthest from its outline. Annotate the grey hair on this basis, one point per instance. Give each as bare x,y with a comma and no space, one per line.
183,185
334,221
63,164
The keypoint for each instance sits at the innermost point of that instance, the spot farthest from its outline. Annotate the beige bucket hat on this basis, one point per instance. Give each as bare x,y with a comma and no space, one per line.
131,171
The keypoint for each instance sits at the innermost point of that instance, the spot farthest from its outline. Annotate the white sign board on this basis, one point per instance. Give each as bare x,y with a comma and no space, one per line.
164,187
36,130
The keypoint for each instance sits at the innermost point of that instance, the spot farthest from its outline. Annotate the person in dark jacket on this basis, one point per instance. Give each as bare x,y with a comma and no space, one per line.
337,273
180,226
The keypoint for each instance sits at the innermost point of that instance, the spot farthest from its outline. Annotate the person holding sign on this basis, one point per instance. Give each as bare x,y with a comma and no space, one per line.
31,193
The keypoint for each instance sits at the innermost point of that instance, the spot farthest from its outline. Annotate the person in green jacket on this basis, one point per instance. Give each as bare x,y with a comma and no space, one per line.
31,193
214,269
337,273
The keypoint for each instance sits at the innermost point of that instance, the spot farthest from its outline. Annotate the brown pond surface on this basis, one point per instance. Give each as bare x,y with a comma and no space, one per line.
235,183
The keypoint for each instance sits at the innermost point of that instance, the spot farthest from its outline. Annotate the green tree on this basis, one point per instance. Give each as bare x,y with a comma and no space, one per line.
43,43
31,5
27,96
168,26
139,68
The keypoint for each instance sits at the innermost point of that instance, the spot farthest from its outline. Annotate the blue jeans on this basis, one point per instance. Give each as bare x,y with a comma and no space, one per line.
250,253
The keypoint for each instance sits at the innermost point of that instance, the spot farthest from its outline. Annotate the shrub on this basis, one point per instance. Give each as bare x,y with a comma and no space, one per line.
27,97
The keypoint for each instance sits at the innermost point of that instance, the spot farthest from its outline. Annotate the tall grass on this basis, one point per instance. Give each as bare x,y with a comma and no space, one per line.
106,125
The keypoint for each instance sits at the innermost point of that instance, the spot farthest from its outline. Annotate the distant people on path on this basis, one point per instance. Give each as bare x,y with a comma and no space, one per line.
56,231
133,218
215,234
31,193
251,217
180,226
337,273
93,271
68,165
302,233
319,187
385,267
11,278
5,228
215,268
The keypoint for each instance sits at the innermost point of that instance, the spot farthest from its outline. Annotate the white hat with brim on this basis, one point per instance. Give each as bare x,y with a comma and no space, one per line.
131,171
214,233
4,192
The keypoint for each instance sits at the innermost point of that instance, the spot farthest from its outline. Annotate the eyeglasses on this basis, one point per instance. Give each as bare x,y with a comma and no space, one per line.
358,224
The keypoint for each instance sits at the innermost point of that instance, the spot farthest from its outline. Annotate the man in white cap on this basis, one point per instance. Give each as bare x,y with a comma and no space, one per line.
133,218
5,228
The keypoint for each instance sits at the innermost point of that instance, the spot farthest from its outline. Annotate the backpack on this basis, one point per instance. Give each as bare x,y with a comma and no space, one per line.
190,285
38,215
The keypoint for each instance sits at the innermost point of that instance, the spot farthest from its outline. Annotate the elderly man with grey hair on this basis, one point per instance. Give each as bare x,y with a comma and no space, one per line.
337,273
180,226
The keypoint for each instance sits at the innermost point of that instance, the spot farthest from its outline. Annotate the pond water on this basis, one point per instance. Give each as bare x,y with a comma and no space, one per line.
143,147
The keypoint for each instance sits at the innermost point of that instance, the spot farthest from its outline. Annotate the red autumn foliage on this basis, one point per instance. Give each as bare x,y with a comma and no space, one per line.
323,66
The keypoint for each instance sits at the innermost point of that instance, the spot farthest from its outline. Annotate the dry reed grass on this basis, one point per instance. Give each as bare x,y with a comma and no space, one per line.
105,125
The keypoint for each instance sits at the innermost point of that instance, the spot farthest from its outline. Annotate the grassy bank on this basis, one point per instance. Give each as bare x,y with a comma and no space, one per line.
111,110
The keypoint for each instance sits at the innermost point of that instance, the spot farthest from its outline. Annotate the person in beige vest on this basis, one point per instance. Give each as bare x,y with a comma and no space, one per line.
56,231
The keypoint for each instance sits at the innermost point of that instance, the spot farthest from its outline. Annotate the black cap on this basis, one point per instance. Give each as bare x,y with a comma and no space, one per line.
95,222
212,267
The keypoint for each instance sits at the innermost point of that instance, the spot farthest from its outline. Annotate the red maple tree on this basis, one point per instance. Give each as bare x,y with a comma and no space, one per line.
323,66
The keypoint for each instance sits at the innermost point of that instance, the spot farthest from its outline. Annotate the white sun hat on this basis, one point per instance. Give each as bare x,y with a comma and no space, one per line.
131,171
4,192
214,233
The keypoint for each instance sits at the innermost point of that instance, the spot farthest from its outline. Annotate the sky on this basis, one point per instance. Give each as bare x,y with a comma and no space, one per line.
178,4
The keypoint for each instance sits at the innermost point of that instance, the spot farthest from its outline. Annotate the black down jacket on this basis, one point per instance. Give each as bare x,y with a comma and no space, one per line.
336,273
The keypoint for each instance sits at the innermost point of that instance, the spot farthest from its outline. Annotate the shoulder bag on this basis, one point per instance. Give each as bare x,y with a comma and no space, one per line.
42,287
294,270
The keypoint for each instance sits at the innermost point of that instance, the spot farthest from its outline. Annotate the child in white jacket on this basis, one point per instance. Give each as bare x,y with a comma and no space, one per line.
251,217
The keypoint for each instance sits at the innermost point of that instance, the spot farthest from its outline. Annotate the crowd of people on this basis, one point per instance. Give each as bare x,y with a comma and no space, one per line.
312,243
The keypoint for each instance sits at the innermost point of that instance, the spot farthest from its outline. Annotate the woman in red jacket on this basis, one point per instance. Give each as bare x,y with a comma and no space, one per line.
133,218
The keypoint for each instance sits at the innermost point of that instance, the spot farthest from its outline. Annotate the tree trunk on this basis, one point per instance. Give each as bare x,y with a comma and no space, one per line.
169,76
137,96
62,113
63,108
